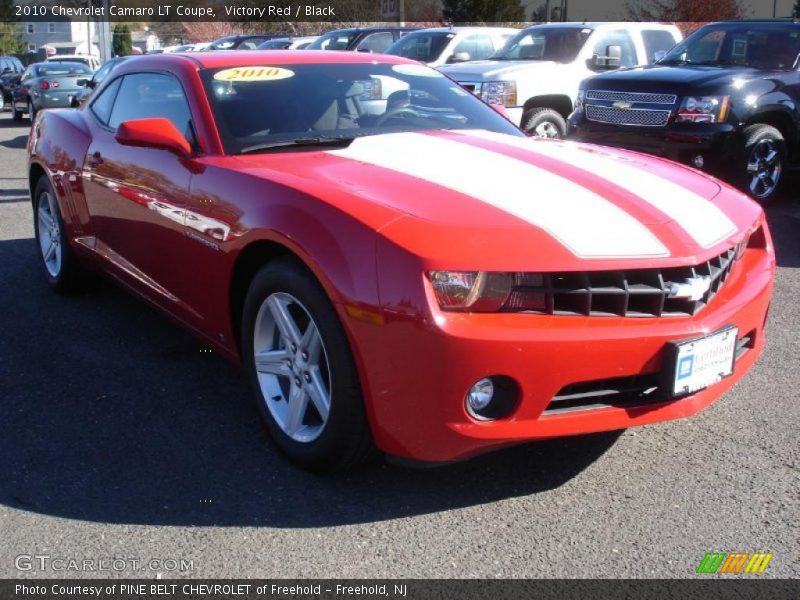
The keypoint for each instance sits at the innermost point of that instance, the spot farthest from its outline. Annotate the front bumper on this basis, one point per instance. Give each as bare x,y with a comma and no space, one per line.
717,143
417,368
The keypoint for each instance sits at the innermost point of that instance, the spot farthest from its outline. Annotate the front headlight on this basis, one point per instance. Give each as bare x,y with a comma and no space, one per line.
471,290
500,92
703,109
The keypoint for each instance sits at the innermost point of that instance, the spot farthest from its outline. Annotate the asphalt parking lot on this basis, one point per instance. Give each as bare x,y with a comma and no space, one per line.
120,438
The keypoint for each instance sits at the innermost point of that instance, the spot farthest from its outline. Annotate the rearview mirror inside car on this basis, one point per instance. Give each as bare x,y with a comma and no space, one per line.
158,133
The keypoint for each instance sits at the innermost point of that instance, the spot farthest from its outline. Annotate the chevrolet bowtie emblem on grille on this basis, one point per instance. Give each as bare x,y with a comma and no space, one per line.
621,104
691,288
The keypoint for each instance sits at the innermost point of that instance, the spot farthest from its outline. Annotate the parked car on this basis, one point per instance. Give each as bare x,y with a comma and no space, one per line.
242,42
444,45
47,85
89,85
10,70
726,100
537,74
288,43
429,280
90,61
360,39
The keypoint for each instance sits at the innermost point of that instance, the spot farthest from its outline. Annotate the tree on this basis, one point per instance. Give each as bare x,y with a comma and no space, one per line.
686,14
11,39
483,11
122,44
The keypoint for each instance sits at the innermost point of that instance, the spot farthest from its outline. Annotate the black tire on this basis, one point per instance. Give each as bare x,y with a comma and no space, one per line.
70,276
759,138
345,440
2,101
31,110
15,114
549,122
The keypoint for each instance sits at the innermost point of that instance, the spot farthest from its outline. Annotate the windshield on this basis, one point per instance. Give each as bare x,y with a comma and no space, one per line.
745,45
262,105
62,68
559,44
423,46
333,40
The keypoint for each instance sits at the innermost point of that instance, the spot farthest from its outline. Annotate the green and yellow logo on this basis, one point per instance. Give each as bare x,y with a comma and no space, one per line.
734,562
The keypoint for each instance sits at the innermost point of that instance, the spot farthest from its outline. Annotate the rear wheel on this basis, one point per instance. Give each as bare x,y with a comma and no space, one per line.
60,265
302,370
763,163
31,110
544,122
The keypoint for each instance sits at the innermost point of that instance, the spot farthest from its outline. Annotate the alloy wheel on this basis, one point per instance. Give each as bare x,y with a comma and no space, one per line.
292,367
49,234
764,168
546,129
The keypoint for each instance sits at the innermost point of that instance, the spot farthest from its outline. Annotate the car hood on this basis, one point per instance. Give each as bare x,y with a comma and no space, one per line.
478,198
676,79
491,70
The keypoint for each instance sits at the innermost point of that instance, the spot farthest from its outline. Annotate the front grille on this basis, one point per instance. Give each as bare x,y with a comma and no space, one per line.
644,117
645,98
623,392
630,293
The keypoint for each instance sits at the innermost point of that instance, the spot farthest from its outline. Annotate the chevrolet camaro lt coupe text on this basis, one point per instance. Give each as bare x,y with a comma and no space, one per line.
427,281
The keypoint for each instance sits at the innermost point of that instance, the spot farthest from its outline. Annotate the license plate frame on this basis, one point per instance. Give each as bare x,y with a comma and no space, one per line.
682,375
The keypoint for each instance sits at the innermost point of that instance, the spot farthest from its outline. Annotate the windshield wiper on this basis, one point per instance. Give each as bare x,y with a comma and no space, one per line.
337,142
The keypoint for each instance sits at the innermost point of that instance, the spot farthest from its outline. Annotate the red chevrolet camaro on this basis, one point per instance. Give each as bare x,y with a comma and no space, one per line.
393,262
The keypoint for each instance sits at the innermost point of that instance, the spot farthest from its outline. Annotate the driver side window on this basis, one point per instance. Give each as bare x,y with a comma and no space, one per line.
151,95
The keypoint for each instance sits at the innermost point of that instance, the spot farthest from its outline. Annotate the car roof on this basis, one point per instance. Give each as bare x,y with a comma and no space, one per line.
248,58
465,29
602,25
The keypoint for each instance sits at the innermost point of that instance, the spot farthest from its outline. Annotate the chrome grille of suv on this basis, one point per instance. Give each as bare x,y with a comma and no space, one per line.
631,97
627,116
631,293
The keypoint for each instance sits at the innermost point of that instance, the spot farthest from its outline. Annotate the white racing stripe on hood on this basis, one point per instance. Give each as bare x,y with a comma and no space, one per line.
589,225
703,220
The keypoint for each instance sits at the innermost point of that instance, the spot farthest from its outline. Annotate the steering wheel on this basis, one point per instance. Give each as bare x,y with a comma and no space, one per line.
396,112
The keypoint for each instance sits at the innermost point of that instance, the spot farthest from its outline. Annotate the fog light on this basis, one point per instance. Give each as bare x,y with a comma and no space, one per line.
480,395
492,398
698,161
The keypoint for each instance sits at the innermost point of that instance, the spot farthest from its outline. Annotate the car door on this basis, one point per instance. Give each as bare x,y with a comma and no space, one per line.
137,196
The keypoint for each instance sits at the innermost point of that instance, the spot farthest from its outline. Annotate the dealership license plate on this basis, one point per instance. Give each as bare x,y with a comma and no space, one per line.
699,363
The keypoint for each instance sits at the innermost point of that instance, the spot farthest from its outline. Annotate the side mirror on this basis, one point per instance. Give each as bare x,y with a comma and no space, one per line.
82,83
158,133
367,50
611,60
658,55
459,57
499,108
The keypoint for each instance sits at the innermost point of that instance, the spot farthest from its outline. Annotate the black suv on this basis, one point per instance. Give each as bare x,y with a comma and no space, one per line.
360,39
10,66
726,100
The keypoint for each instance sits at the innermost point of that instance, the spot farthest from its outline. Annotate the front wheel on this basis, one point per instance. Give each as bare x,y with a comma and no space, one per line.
31,110
545,123
16,115
763,163
302,370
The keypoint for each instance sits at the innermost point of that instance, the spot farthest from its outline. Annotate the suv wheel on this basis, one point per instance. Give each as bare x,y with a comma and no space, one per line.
31,110
544,122
763,162
15,114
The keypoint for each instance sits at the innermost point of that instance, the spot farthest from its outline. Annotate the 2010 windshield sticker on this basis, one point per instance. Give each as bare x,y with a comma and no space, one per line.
240,74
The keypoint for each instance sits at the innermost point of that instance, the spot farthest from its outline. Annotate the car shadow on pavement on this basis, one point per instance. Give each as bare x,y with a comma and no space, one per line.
17,143
112,414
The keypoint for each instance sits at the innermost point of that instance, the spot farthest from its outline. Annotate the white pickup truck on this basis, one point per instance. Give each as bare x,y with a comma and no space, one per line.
536,75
